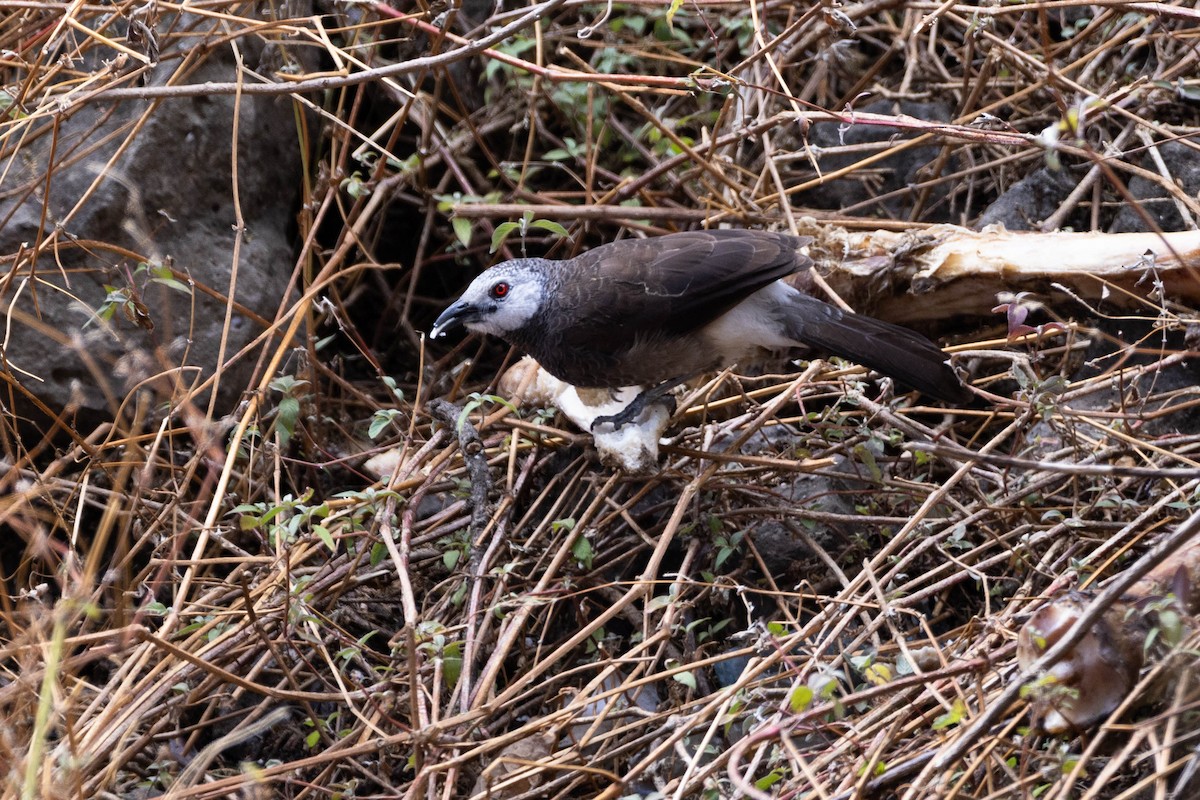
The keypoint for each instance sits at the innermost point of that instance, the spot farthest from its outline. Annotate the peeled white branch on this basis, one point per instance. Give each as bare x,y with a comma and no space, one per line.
956,272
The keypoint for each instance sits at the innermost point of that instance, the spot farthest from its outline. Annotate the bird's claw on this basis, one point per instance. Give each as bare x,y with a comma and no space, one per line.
634,410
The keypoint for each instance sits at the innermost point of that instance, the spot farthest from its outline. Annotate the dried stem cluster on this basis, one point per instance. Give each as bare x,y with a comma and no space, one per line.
204,606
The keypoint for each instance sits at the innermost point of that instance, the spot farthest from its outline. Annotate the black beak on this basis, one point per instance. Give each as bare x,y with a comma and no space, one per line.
457,314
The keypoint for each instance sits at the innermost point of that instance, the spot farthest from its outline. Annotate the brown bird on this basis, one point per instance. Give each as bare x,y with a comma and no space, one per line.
655,312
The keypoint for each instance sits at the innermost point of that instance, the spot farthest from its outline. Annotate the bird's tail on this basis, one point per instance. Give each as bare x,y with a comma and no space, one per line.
897,352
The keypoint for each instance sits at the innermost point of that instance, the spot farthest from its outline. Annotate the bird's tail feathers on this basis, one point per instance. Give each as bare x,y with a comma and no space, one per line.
897,352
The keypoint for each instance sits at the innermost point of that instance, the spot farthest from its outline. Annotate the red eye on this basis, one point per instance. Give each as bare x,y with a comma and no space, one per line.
500,290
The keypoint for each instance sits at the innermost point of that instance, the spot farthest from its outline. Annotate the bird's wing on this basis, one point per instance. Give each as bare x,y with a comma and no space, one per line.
674,284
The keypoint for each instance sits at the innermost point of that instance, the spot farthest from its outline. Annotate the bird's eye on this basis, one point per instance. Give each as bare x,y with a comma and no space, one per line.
500,290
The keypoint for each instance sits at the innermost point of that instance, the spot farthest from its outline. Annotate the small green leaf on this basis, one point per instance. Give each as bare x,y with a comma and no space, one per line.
289,414
722,555
800,699
501,233
686,678
326,537
452,663
381,419
583,552
637,24
355,186
952,717
462,230
770,779
550,225
390,383
659,601
162,274
447,202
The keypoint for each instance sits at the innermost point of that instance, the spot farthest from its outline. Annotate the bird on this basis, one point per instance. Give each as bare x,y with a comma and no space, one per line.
658,311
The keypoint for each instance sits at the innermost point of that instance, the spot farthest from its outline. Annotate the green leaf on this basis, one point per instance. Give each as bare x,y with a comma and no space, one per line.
325,536
550,225
673,10
800,699
7,100
381,419
462,230
452,663
659,601
355,186
289,414
447,202
770,779
722,555
464,415
501,233
686,678
396,391
583,552
162,274
952,717
114,298
1189,93
637,24
571,148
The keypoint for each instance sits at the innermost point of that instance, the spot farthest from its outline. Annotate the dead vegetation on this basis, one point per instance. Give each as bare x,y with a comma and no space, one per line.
819,593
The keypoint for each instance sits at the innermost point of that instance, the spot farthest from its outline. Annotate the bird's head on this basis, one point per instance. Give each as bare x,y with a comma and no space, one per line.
499,301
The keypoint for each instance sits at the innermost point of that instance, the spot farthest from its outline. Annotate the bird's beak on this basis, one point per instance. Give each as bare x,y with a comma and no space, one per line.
457,314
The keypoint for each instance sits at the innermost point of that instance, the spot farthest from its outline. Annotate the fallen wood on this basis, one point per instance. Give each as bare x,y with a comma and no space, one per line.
959,273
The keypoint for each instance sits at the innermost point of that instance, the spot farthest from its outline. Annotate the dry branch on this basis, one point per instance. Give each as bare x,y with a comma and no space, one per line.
943,272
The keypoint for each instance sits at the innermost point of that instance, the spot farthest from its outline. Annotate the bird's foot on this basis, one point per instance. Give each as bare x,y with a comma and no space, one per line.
634,410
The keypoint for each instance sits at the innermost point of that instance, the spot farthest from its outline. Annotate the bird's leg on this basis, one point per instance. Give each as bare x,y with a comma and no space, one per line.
655,394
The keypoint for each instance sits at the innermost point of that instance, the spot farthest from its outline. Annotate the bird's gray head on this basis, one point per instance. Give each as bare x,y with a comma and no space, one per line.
499,301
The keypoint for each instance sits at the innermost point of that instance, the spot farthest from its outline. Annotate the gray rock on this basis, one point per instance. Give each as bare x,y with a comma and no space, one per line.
167,198
1029,201
1183,165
